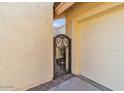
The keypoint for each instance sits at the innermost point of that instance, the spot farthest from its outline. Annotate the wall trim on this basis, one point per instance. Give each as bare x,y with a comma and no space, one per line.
62,7
97,85
96,10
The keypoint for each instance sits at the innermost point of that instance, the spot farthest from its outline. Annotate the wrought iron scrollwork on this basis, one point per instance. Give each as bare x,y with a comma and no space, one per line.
62,42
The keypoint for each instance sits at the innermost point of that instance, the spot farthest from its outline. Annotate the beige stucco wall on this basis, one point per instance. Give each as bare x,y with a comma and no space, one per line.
98,43
71,14
25,45
76,10
102,49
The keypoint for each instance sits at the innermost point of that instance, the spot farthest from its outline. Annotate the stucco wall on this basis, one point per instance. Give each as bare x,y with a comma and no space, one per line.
25,45
102,48
76,10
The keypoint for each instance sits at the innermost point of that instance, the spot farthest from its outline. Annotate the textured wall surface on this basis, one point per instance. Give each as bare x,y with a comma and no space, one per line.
97,42
102,48
25,45
77,10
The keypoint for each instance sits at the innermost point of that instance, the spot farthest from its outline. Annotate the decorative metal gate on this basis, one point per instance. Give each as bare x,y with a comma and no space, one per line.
62,55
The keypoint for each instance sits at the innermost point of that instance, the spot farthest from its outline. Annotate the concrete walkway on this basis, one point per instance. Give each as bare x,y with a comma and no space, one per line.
74,84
